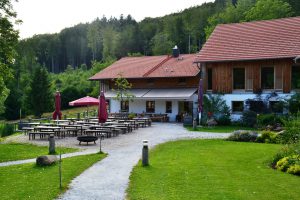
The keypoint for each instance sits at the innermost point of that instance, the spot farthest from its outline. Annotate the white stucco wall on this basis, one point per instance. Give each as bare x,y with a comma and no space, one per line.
139,106
244,96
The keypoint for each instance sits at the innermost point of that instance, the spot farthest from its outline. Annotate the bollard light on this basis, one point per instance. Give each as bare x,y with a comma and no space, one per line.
51,144
145,153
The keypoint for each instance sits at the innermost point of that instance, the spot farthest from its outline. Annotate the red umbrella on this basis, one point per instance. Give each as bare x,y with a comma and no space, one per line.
85,101
102,112
57,113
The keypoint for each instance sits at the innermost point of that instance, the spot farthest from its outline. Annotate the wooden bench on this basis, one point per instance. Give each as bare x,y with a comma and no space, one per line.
98,132
87,139
27,129
41,134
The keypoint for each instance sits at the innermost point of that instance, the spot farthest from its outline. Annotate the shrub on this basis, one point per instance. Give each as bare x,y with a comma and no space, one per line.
6,130
268,119
249,118
283,164
294,103
286,163
267,137
215,106
285,151
131,115
292,132
243,136
294,169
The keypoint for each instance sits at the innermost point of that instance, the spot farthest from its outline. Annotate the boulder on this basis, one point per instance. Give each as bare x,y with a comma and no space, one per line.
46,160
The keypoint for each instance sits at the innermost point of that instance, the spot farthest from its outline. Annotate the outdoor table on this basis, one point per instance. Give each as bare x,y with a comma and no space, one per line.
79,127
47,124
61,121
50,129
147,121
98,132
33,123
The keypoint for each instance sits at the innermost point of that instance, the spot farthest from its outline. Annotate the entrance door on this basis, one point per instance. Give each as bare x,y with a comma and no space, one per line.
184,107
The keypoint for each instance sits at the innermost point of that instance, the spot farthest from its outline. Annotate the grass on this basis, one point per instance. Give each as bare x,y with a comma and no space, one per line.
212,169
16,151
28,181
72,112
219,129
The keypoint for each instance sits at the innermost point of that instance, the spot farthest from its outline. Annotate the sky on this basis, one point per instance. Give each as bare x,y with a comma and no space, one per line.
51,16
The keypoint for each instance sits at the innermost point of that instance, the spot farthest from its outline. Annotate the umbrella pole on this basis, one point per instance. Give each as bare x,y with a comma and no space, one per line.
199,118
87,112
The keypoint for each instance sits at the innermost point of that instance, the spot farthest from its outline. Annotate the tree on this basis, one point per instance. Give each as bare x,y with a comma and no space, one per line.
161,44
231,14
8,42
269,9
110,37
40,97
122,87
94,37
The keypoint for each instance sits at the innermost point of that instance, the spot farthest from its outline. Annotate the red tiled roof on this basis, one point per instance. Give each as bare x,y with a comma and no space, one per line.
268,39
150,67
177,67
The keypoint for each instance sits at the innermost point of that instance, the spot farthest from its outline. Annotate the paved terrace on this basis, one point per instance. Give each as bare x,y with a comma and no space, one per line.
108,179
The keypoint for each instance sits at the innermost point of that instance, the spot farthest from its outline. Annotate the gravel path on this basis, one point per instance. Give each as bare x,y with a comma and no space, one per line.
108,179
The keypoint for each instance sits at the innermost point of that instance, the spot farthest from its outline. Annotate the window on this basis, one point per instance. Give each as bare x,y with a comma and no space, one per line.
150,106
181,81
276,106
296,77
267,78
124,106
238,78
237,106
168,106
256,106
209,78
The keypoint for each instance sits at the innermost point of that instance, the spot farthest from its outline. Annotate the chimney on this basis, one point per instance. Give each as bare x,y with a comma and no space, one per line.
175,52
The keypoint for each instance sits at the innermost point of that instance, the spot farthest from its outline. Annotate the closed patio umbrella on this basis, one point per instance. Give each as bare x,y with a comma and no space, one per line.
200,99
57,113
102,112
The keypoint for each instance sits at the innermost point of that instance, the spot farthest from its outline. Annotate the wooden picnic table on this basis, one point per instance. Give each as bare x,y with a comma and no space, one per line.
33,123
98,132
79,127
115,130
49,129
146,120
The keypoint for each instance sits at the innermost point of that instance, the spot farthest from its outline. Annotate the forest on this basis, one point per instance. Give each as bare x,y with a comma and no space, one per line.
65,60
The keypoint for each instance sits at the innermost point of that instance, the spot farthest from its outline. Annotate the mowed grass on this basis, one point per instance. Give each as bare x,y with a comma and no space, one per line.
16,151
219,129
28,181
212,169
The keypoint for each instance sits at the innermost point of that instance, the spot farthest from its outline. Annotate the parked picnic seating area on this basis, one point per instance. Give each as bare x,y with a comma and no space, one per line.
71,127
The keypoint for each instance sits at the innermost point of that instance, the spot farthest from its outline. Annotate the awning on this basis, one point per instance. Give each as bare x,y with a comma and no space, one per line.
138,93
178,93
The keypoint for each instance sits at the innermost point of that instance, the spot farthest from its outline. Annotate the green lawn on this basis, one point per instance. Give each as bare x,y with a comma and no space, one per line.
28,181
212,169
14,151
219,129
